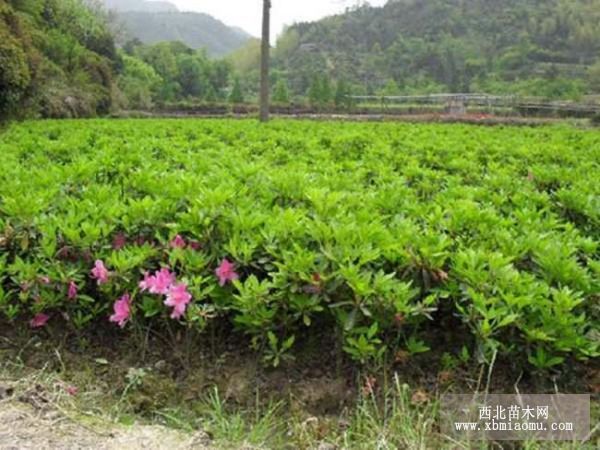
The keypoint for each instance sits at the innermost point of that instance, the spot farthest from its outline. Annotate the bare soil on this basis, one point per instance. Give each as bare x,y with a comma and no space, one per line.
31,421
365,116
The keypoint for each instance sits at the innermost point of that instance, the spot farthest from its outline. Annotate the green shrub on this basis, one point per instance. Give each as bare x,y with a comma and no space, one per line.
382,235
57,59
15,61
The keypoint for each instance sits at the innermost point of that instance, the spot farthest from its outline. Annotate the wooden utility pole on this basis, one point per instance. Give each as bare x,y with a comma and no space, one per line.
264,62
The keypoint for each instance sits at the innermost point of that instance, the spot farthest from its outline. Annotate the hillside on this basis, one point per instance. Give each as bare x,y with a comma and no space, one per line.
153,22
195,30
57,59
536,47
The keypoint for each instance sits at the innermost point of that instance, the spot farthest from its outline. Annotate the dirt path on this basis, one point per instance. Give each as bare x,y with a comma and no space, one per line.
26,427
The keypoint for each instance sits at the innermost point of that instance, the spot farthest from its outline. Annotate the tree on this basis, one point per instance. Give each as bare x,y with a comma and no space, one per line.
139,83
326,91
391,88
314,92
594,77
15,76
342,95
236,95
320,93
281,93
191,76
264,62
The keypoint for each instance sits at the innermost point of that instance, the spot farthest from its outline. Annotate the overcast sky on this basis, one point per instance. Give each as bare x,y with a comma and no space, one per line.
247,13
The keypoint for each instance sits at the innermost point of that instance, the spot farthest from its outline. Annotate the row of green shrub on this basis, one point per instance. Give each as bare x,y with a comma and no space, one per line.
390,237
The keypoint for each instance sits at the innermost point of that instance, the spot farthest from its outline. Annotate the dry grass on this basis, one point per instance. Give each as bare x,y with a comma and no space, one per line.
37,412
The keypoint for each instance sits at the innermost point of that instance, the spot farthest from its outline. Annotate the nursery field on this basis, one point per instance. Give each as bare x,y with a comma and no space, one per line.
379,233
377,243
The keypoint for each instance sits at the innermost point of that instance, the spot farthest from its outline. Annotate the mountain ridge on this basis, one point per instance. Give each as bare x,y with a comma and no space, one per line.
154,22
418,46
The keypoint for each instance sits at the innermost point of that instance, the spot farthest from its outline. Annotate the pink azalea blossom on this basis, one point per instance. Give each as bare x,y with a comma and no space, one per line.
162,281
39,320
226,272
159,283
72,293
122,311
178,297
100,273
178,242
146,282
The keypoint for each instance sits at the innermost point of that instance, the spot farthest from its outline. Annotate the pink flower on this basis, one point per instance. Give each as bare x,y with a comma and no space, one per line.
119,241
100,273
45,280
146,282
159,283
195,245
178,242
72,293
71,390
226,272
162,281
122,309
178,298
39,320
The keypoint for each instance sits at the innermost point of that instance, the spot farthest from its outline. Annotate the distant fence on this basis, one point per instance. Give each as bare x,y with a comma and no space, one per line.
460,103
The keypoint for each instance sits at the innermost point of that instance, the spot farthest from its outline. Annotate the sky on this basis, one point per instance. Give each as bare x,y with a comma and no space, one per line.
247,14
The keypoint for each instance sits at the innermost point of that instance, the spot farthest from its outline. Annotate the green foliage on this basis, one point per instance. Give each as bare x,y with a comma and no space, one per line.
342,95
379,236
320,93
366,346
390,88
184,73
15,75
547,49
57,59
594,76
246,59
139,83
280,92
236,96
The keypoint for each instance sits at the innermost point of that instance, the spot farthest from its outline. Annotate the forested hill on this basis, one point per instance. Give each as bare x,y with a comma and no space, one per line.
57,59
536,47
196,30
153,22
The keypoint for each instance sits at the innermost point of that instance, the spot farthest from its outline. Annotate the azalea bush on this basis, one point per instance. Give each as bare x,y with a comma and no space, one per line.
380,234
